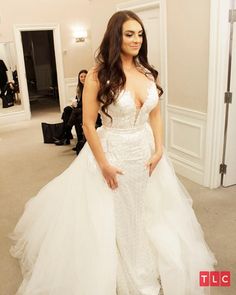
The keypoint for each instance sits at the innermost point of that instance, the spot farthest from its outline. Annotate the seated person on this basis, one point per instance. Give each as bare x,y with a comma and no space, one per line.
72,116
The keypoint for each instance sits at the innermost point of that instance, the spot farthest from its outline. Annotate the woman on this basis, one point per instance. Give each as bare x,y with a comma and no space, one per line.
72,115
117,221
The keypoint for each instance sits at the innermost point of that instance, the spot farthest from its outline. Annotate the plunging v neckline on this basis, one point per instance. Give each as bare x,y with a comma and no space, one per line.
134,99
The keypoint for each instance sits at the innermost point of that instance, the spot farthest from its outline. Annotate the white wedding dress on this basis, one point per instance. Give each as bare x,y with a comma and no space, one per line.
78,237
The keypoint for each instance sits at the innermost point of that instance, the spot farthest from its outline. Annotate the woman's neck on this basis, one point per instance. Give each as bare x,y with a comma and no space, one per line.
127,62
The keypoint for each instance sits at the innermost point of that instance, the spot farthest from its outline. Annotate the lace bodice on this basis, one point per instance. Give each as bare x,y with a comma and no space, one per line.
124,112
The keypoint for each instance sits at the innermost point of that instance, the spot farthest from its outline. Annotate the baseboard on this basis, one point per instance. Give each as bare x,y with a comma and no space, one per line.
187,169
14,117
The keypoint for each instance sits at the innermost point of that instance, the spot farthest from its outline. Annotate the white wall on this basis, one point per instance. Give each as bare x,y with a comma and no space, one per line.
69,14
188,35
188,25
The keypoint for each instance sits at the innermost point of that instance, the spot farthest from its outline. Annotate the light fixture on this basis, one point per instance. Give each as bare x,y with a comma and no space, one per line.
80,35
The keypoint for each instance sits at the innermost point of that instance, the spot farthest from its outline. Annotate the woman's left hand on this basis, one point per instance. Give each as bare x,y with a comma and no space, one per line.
152,163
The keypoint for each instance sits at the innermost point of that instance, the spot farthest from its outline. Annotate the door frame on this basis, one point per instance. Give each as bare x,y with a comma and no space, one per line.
217,82
139,5
21,64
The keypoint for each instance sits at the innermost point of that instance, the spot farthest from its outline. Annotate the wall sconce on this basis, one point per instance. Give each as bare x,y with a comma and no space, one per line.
80,35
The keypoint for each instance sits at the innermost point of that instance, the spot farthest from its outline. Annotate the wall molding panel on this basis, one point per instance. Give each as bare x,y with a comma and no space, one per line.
186,141
13,117
70,89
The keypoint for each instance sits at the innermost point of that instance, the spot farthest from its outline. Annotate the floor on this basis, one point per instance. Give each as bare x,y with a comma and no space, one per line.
27,164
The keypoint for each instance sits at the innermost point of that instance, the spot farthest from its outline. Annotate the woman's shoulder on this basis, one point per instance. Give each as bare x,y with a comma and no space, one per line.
92,77
93,74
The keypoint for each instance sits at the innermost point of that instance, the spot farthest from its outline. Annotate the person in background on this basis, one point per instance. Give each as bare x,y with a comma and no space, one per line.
76,117
3,77
72,116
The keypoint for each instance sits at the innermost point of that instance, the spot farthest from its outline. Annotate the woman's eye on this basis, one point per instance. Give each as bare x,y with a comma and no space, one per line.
131,34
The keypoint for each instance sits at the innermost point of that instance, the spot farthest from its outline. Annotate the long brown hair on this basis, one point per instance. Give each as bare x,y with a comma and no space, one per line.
109,71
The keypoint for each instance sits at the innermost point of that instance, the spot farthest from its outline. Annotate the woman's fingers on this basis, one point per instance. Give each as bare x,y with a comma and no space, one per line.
151,166
112,183
118,171
150,169
152,163
111,177
148,164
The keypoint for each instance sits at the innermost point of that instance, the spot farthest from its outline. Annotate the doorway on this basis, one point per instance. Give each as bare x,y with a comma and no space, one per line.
228,171
217,97
40,69
55,38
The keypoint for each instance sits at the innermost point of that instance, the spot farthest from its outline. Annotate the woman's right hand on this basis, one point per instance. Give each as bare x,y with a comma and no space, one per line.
110,174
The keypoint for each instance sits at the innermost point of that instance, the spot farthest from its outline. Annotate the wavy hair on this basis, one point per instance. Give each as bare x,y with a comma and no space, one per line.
109,66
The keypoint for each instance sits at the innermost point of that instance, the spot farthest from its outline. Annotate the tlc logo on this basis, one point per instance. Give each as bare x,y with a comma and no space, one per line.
214,278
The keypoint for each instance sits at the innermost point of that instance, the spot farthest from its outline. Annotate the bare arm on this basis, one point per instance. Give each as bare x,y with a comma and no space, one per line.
156,125
90,113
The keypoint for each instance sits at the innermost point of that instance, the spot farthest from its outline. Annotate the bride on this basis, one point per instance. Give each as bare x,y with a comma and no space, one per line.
117,221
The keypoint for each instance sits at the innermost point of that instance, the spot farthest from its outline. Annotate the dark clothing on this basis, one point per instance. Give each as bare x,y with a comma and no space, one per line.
66,114
73,117
76,120
8,95
3,76
15,78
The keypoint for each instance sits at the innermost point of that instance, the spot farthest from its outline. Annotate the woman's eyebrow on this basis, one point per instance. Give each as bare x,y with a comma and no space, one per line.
130,31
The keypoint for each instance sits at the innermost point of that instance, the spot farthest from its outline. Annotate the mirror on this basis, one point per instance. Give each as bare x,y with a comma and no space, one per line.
10,96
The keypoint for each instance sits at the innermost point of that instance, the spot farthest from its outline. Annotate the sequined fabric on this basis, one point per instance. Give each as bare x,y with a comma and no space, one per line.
127,143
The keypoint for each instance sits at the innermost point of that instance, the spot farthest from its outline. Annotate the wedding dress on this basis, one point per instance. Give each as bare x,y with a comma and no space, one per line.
78,237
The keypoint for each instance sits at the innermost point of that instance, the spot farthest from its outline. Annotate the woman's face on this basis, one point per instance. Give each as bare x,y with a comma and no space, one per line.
82,77
132,37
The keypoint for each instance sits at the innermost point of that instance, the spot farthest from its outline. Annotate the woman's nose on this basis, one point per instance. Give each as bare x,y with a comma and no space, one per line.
136,38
